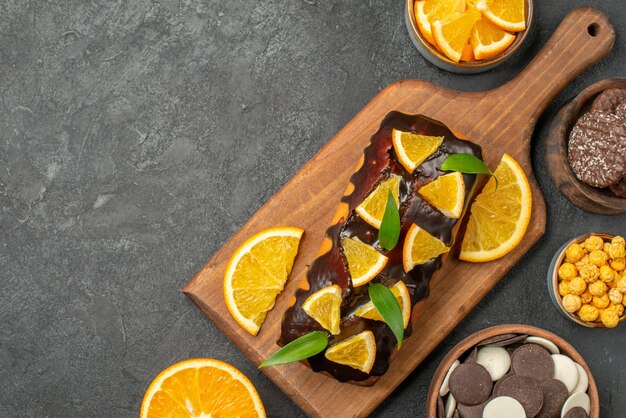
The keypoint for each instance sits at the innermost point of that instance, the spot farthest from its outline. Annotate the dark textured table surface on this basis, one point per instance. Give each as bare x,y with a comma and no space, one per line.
137,136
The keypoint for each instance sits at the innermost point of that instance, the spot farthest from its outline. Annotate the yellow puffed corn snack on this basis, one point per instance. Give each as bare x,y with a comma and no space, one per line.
571,303
567,271
616,296
598,258
619,308
610,319
577,286
618,240
586,297
607,274
594,242
588,313
564,288
621,285
606,247
601,301
597,288
618,264
574,253
589,272
583,261
616,251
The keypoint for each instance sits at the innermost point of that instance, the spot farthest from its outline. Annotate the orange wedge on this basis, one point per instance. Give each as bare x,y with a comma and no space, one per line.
420,247
468,53
325,307
488,40
257,273
453,32
509,15
373,206
499,217
413,149
401,292
358,352
364,262
202,387
428,11
446,193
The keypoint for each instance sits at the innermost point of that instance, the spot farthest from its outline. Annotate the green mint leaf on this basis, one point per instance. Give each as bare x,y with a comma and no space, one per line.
299,349
388,307
389,231
466,163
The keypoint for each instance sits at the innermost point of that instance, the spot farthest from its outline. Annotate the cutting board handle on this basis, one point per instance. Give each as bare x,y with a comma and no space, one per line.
583,38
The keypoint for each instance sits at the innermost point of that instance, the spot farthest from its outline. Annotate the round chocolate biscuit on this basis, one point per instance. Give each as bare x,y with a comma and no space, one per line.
554,396
608,100
525,390
597,149
471,357
619,188
534,361
470,384
466,411
496,339
502,379
621,110
577,412
440,408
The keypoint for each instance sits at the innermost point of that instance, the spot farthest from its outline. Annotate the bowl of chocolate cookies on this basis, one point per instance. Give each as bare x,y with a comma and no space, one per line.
586,148
513,371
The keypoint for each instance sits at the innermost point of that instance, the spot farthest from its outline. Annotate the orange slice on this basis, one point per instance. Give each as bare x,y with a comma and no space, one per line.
499,217
453,32
358,352
257,273
401,292
468,53
202,387
413,149
428,11
325,307
364,262
509,15
373,206
446,193
488,40
420,247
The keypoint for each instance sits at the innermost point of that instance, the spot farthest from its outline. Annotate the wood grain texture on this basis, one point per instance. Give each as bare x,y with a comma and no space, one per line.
479,336
500,120
588,198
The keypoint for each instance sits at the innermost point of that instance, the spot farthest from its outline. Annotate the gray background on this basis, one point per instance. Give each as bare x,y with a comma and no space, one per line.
137,136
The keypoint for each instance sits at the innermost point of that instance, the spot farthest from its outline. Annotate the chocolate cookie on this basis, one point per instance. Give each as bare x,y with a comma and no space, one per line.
597,151
619,188
608,100
534,361
554,396
502,340
577,412
470,384
466,411
525,390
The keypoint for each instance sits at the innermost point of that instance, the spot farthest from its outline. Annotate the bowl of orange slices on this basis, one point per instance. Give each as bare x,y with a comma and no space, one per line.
468,36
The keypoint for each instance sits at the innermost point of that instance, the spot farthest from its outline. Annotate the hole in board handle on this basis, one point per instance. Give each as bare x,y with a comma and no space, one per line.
593,30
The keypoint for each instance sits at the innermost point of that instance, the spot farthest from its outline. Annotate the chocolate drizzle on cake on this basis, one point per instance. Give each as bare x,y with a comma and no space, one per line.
330,268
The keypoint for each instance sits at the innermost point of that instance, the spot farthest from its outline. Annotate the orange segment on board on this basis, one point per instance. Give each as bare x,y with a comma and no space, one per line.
499,216
453,32
488,40
201,387
413,149
257,273
325,307
420,247
446,193
358,352
373,206
364,262
401,292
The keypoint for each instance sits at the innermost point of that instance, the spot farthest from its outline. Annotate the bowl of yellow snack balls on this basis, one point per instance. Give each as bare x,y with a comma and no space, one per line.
587,280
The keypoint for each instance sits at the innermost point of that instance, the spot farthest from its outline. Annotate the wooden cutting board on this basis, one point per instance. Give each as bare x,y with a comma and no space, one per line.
500,120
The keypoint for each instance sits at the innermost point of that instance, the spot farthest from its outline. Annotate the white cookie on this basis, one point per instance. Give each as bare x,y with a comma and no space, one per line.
565,370
547,344
496,360
444,389
504,407
577,399
583,380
